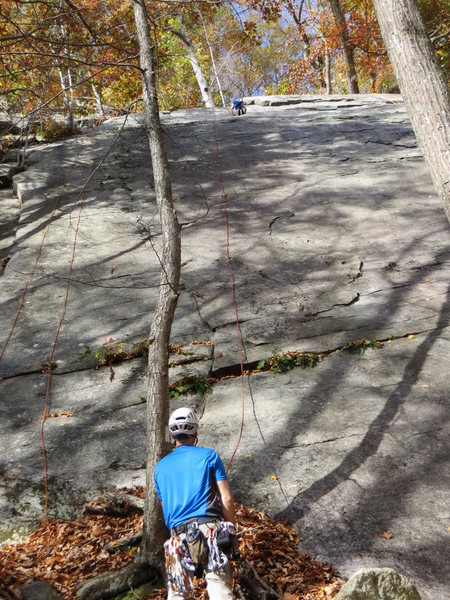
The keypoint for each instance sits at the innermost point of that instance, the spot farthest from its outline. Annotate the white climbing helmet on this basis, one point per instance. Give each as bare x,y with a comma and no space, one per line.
183,421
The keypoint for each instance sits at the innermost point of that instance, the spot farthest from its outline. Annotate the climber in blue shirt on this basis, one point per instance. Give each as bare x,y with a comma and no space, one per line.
238,107
196,498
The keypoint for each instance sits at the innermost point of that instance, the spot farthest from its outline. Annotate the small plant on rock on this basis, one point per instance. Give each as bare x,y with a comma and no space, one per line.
113,351
283,362
191,384
360,346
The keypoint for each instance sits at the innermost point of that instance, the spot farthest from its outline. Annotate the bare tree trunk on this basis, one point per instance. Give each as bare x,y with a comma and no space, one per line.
341,24
327,68
211,53
196,67
67,89
154,532
328,72
98,99
70,116
66,99
422,85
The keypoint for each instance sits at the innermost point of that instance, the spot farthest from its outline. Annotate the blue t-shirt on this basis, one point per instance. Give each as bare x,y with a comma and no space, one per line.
185,482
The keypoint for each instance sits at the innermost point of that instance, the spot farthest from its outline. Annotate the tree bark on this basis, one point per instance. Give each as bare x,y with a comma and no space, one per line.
422,85
328,72
211,53
155,532
196,66
341,24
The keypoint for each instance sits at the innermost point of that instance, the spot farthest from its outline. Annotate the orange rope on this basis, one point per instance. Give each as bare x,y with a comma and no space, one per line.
50,362
233,291
31,275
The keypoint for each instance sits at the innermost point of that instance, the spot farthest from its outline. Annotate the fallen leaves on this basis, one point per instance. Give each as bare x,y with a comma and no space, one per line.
66,553
387,535
55,415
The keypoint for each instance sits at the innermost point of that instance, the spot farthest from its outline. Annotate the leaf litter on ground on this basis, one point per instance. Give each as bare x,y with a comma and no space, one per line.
67,553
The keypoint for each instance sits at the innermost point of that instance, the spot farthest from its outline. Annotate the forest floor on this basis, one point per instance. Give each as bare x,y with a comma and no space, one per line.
340,252
65,554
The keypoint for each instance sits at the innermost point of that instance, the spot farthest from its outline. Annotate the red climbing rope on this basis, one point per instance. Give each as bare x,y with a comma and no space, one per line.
38,254
58,328
233,291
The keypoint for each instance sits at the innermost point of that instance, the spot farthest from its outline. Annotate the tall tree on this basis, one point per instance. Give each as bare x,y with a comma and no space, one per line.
347,46
158,357
422,84
183,34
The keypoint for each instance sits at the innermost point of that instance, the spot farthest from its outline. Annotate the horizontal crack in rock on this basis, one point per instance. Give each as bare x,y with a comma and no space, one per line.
277,218
235,370
140,401
327,441
352,301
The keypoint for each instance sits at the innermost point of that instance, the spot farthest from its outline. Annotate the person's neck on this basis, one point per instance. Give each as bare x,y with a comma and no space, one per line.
188,442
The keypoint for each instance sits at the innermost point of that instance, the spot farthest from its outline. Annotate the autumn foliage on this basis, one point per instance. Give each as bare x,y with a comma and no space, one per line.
78,57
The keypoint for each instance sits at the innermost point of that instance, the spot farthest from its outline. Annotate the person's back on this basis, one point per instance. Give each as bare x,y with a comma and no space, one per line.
192,486
186,479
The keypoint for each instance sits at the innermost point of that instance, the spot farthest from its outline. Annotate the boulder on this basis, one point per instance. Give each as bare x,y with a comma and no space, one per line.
7,126
39,590
378,584
6,175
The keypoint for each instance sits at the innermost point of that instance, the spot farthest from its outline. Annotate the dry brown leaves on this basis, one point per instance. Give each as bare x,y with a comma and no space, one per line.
66,553
271,548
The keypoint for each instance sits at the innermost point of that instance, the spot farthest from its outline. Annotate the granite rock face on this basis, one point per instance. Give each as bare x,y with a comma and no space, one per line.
335,234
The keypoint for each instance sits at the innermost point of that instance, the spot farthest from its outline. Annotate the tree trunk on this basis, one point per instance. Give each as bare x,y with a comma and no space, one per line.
98,99
341,24
155,531
196,67
328,72
211,53
422,85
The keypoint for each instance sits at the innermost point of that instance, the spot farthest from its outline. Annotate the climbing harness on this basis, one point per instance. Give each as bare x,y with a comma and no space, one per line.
197,545
225,541
238,107
187,553
179,566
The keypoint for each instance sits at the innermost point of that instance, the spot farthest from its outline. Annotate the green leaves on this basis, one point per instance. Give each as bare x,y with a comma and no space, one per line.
191,384
360,346
113,351
283,362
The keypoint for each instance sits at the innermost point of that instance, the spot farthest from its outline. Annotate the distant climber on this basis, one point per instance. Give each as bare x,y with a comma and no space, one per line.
198,508
238,107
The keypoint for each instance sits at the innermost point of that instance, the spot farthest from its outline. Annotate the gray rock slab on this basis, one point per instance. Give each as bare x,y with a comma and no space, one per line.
89,413
9,217
346,451
334,234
